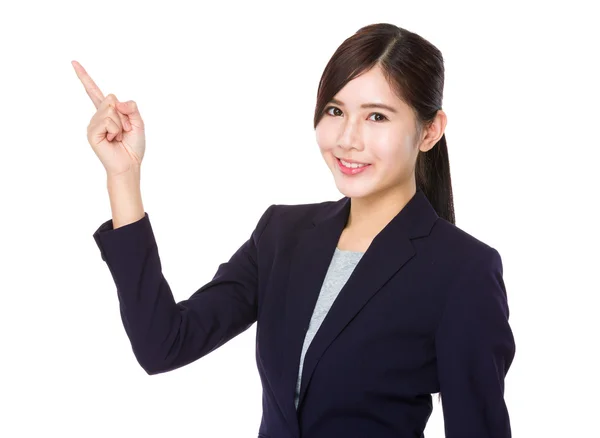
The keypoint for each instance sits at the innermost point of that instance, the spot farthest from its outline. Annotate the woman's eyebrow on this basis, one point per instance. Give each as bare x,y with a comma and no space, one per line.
369,105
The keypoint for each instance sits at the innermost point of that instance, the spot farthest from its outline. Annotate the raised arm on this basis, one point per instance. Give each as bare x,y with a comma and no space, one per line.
164,335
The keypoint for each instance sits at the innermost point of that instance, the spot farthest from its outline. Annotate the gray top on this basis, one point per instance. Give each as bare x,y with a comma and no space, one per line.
341,266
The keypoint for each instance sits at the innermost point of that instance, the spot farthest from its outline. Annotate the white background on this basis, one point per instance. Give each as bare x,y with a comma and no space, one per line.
227,92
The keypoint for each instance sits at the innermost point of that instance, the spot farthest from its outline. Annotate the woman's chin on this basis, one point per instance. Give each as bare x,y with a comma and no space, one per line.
353,190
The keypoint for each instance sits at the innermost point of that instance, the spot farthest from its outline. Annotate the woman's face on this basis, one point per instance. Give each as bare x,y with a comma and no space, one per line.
382,138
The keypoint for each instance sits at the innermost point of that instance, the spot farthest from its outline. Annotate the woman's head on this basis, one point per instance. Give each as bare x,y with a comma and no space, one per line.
404,146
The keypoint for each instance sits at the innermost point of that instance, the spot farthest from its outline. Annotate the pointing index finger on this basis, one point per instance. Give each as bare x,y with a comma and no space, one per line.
90,86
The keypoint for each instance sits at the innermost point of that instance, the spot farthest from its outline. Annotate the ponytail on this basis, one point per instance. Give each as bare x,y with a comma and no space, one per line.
432,175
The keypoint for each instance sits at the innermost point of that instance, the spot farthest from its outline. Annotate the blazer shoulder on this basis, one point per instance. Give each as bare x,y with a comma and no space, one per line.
466,260
460,243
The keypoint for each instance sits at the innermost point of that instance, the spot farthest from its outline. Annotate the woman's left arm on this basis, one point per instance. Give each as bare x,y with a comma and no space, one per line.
475,348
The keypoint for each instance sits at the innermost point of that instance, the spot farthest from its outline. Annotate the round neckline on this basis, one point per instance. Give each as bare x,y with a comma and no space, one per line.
348,251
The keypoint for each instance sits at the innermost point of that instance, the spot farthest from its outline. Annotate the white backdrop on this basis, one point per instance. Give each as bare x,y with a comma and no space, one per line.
227,92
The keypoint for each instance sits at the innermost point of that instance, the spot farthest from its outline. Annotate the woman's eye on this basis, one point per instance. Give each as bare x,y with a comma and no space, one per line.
381,119
331,107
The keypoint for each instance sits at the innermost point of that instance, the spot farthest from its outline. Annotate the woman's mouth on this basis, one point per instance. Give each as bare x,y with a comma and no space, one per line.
351,168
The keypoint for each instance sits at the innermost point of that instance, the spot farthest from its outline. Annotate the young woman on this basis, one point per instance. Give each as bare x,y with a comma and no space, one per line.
364,306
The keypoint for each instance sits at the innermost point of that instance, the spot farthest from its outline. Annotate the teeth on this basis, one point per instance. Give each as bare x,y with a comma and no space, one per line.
352,165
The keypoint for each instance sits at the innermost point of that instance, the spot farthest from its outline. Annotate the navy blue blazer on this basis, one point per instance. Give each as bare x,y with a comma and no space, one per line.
425,311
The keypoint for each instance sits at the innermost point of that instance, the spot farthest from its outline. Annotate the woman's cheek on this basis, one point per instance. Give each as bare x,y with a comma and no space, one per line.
322,138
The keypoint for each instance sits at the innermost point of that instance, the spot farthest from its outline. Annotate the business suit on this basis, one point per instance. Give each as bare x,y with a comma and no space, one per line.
424,311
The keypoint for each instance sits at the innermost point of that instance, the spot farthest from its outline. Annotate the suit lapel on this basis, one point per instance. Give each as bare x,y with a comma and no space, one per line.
387,253
308,266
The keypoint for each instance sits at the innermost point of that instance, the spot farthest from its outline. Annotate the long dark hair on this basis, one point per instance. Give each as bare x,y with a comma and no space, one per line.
414,69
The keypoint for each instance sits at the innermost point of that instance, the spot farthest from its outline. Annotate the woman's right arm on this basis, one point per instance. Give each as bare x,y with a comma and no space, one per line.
164,334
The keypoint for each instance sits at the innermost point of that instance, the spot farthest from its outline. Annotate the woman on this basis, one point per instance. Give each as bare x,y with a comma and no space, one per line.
364,306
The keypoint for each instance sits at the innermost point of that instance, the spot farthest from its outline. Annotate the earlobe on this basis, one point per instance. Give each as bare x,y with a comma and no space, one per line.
426,146
427,149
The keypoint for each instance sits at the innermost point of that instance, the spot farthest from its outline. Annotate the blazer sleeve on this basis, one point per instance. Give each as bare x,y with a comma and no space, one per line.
166,335
475,348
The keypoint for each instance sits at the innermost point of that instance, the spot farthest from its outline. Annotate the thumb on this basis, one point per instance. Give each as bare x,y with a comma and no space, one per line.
130,108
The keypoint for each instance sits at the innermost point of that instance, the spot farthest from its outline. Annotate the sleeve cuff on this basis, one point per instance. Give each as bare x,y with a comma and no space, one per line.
113,242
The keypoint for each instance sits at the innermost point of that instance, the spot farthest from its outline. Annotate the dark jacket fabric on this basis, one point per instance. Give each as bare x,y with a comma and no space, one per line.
424,311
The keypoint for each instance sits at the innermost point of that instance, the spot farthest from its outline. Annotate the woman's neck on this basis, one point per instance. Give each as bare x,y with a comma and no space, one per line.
369,215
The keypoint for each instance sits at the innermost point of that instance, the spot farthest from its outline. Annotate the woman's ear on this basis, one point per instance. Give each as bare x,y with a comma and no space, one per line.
433,132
